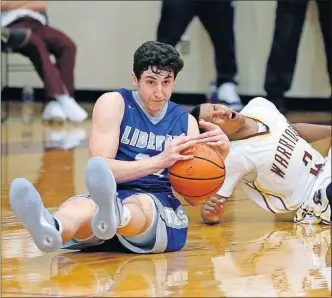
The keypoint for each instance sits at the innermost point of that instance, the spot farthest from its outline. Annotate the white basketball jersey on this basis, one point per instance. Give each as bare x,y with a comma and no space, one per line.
276,167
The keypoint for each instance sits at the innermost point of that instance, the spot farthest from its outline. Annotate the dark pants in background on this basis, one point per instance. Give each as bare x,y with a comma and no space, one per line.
290,17
217,16
59,78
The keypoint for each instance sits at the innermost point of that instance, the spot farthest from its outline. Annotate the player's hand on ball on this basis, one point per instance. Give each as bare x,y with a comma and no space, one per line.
214,136
172,154
212,209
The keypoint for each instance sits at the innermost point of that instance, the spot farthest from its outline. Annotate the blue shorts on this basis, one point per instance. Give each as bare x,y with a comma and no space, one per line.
170,233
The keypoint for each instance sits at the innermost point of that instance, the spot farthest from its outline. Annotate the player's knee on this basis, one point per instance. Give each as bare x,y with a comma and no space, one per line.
76,212
138,220
144,202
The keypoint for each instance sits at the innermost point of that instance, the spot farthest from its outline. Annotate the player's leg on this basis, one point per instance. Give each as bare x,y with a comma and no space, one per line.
71,220
134,218
325,191
318,207
142,222
81,221
128,217
166,226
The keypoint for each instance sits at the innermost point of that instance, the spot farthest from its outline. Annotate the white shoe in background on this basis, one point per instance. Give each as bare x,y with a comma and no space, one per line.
53,112
74,112
75,136
53,137
227,95
64,139
77,133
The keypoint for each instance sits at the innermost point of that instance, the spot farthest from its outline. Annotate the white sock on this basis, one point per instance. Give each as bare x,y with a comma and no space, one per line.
125,217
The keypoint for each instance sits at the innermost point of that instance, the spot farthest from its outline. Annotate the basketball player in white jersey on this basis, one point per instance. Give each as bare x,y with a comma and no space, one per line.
273,161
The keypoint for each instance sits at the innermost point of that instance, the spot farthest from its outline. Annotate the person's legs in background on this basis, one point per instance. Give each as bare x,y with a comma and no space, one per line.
218,19
64,51
38,52
325,15
290,16
175,17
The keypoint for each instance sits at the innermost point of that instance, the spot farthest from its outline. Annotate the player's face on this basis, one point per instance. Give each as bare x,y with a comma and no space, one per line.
227,119
154,89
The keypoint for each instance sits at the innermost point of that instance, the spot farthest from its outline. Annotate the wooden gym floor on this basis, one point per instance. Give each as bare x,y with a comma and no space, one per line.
251,253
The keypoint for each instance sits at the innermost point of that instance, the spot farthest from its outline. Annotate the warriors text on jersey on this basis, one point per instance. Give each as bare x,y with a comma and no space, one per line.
276,167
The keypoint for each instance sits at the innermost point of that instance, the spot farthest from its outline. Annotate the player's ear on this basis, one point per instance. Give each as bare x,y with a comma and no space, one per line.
135,80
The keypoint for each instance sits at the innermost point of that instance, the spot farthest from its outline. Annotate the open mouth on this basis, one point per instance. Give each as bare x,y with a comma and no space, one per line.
232,115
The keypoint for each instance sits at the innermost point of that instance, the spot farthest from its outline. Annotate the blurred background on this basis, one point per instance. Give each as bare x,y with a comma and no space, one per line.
58,57
106,34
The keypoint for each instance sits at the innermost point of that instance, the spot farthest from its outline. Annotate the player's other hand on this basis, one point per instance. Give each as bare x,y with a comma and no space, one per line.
172,154
214,136
212,209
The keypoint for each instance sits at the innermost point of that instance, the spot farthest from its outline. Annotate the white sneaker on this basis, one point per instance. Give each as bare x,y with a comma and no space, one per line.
77,133
227,95
54,138
75,136
64,139
73,111
53,112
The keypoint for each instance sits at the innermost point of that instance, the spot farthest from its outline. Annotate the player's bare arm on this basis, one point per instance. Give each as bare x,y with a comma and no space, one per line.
212,209
313,132
193,130
104,136
236,168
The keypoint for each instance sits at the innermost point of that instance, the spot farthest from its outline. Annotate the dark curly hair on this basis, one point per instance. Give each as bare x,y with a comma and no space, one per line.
160,56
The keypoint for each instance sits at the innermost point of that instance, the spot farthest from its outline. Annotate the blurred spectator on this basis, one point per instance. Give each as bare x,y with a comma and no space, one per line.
290,16
217,16
44,40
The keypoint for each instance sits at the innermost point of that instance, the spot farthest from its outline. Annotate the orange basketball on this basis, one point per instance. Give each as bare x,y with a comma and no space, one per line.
201,177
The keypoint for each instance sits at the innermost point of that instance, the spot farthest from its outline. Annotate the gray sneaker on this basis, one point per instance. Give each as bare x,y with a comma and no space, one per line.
28,207
102,190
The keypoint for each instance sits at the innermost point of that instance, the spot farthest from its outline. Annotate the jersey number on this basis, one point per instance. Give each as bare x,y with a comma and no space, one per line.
307,156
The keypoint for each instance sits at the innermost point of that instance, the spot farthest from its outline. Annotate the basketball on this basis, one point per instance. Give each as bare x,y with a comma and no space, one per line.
199,178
